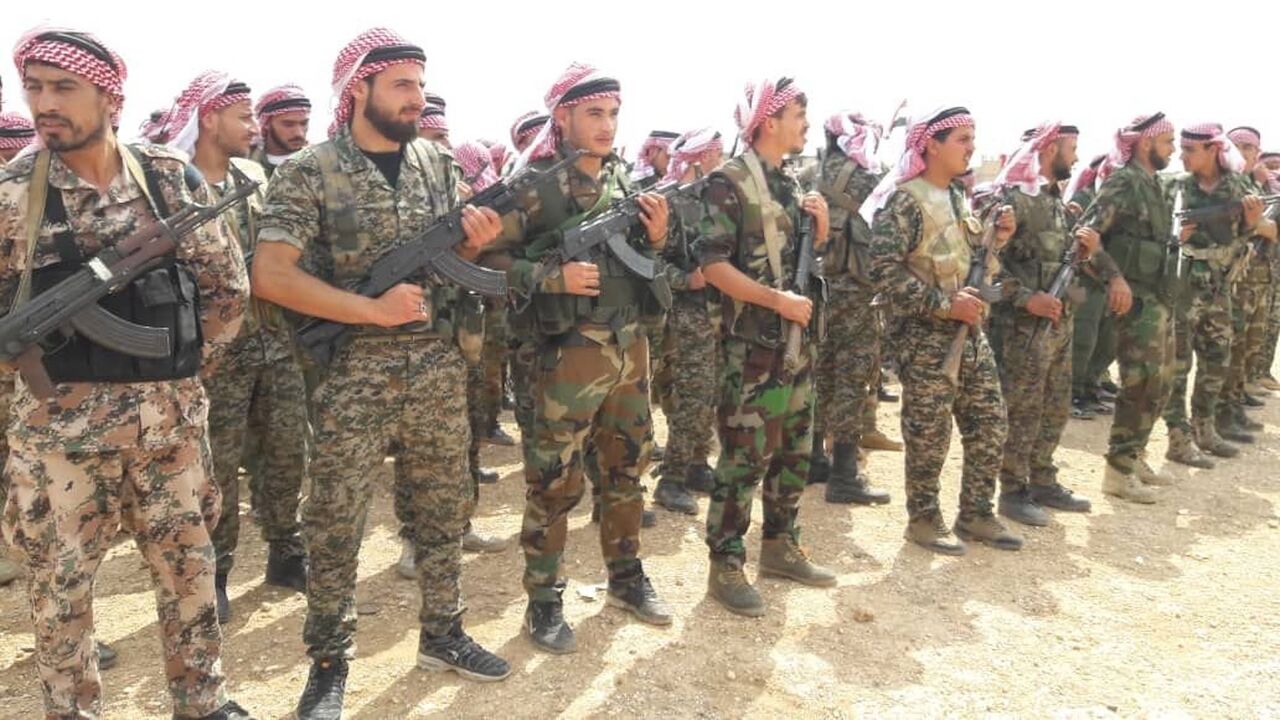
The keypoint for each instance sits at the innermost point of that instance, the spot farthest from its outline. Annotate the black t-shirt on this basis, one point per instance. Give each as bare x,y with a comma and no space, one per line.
388,163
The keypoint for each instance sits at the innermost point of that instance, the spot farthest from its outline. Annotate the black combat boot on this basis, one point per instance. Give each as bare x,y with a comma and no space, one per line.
545,624
286,567
847,485
326,686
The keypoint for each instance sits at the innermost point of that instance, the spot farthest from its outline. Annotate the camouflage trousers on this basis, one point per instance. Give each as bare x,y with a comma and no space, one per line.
1204,328
1093,342
690,357
1267,356
765,422
488,374
1035,380
248,385
1249,327
6,399
929,401
410,391
524,372
1147,356
587,394
848,363
63,511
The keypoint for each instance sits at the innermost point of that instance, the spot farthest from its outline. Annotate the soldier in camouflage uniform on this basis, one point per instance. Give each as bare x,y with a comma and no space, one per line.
212,122
689,353
921,244
1134,218
1203,319
1267,173
1036,327
592,375
849,357
331,211
1252,299
750,250
1093,346
138,428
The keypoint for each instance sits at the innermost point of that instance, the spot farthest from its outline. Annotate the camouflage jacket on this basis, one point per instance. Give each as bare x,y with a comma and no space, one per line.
1031,258
897,231
732,231
296,213
680,254
845,256
1133,215
536,230
98,417
1260,263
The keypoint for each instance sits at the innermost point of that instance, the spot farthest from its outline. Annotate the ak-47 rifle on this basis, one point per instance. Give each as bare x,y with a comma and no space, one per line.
1254,248
800,285
72,305
977,278
432,250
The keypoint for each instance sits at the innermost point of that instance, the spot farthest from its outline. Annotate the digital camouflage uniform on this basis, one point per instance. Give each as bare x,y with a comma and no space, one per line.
1202,320
1267,354
102,456
1035,377
920,252
406,385
590,379
1135,219
258,378
689,353
765,412
849,357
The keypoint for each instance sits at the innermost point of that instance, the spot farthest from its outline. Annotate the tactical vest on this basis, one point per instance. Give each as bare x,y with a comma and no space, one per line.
340,223
1042,251
941,259
847,250
745,320
624,298
1140,247
165,297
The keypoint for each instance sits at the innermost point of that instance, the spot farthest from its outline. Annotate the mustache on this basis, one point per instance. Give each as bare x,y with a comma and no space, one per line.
54,117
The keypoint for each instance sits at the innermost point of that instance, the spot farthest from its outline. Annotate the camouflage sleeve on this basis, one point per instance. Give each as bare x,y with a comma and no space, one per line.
1112,199
509,252
1019,272
1104,266
217,261
718,229
12,230
895,232
291,213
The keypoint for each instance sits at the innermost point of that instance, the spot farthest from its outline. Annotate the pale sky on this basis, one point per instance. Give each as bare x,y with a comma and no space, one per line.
683,65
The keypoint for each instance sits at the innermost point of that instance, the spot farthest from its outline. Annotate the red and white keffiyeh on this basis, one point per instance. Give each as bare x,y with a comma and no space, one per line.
433,117
371,52
211,91
499,154
476,163
1229,156
658,139
1084,178
76,52
761,100
579,83
911,164
1023,167
1143,126
526,128
279,101
857,137
696,146
1245,135
16,131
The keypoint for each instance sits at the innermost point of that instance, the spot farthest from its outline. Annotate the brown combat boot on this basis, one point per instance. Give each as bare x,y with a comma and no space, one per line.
1126,486
931,532
876,440
727,584
1208,439
1148,476
1183,449
988,530
783,557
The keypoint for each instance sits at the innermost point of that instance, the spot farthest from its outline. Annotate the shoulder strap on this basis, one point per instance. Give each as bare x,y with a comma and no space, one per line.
419,150
606,196
37,194
769,211
339,197
143,171
838,192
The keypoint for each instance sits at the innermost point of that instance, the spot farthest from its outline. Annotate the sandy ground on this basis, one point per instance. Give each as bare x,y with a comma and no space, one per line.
1161,611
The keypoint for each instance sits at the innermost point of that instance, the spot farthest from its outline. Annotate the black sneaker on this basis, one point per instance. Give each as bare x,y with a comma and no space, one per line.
636,596
1101,408
286,568
700,478
544,622
499,438
1253,402
456,651
107,656
485,476
885,396
230,711
221,599
1109,388
673,496
1082,409
326,685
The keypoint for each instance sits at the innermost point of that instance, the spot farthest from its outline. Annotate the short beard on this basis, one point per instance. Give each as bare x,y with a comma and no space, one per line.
1156,161
273,141
78,140
1061,171
388,126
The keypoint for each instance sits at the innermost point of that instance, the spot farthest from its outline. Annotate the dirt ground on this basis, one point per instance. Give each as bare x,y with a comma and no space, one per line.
1156,611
